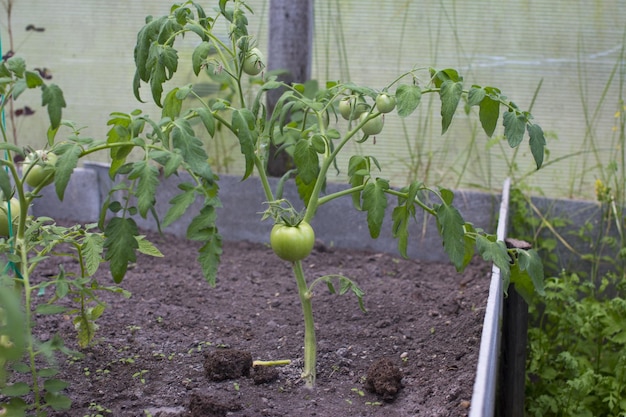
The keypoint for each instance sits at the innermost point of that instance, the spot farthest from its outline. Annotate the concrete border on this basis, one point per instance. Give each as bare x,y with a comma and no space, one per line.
337,224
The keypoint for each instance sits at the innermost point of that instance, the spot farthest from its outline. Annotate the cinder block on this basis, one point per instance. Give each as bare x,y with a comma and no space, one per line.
81,202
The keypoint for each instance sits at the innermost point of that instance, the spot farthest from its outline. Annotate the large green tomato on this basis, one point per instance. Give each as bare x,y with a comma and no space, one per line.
4,215
292,243
254,62
373,126
39,168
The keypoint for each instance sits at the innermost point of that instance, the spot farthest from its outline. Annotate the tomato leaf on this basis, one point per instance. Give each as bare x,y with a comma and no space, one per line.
514,124
203,228
120,243
407,99
530,261
52,96
401,216
475,95
16,389
375,203
148,176
146,36
179,204
345,283
147,248
191,148
163,63
57,401
537,143
450,94
172,105
199,55
358,169
495,251
450,225
91,250
243,123
208,120
489,113
307,161
67,160
304,190
448,74
33,79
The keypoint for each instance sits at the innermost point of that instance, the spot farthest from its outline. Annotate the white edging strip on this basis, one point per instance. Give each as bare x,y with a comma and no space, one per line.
484,394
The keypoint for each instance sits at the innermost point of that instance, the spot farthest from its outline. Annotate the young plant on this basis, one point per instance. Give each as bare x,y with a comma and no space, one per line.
298,125
26,363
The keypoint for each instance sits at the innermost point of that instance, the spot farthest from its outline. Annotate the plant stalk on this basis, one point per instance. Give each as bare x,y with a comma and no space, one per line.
310,345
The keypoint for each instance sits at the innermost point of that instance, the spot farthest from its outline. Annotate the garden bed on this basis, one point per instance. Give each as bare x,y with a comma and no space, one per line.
150,351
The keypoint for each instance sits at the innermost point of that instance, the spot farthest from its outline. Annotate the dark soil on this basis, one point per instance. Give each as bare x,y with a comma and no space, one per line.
167,350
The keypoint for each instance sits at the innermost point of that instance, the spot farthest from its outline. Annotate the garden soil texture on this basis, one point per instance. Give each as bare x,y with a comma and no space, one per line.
155,354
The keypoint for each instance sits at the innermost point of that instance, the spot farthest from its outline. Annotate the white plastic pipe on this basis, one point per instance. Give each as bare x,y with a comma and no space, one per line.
484,395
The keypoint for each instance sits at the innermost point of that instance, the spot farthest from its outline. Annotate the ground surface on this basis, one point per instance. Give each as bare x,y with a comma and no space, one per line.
149,359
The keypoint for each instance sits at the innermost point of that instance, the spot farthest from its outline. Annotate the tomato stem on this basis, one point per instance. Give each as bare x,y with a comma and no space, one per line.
310,345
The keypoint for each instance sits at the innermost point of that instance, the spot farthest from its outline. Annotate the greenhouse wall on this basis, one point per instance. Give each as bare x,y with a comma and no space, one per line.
563,59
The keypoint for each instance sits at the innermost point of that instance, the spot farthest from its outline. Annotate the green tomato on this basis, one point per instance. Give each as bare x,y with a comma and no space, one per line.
385,103
346,106
254,62
4,215
373,126
292,243
38,168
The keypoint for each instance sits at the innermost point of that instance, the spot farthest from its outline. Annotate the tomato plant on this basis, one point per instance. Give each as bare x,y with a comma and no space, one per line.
298,124
292,243
25,241
38,168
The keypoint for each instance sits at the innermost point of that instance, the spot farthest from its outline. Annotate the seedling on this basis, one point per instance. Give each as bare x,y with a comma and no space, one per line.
141,375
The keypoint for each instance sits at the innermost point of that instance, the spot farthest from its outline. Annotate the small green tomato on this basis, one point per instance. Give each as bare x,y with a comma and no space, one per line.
292,243
14,203
373,126
385,103
38,168
351,108
254,62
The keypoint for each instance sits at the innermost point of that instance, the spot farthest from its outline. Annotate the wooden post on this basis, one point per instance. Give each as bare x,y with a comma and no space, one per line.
290,49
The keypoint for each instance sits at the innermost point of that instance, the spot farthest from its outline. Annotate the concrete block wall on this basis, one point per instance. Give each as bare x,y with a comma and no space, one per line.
337,223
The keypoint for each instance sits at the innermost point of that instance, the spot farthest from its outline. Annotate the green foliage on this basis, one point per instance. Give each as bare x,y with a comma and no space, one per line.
577,356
